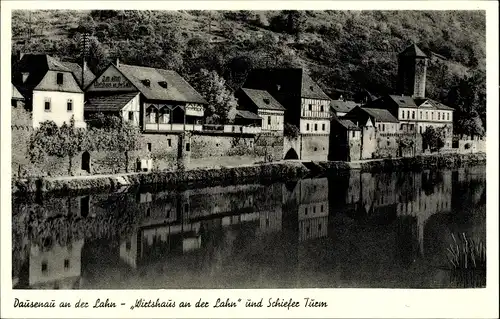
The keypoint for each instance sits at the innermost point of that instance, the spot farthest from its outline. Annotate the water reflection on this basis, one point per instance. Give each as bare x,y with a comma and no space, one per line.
350,230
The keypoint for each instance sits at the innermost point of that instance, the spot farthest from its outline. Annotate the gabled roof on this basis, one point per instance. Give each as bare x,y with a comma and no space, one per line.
109,102
345,123
287,80
439,105
263,100
163,84
16,95
76,69
37,66
380,115
343,106
413,51
247,115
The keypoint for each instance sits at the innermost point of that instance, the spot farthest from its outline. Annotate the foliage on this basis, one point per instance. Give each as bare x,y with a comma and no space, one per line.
105,133
469,99
347,50
291,131
221,101
434,138
465,253
51,140
467,146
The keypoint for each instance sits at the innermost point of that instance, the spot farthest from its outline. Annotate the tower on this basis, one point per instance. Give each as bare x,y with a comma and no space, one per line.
412,71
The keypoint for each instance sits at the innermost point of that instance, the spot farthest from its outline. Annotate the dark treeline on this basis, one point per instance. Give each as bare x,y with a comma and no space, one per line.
342,50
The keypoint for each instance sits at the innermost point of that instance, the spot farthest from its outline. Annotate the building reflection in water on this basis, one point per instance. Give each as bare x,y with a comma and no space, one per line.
260,224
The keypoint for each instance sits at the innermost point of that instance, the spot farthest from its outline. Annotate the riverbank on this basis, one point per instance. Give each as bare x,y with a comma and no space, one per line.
277,171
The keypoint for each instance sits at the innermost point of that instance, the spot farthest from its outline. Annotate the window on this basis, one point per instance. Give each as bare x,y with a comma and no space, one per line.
44,267
413,115
149,147
130,116
353,133
128,245
403,114
188,147
148,212
269,120
319,227
314,209
322,108
169,141
305,211
321,208
307,127
420,114
439,116
408,114
310,107
315,127
60,78
69,105
432,116
426,115
186,207
323,127
383,127
420,129
47,104
448,116
66,263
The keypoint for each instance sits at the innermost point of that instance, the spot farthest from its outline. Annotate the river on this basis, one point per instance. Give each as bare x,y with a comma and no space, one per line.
350,230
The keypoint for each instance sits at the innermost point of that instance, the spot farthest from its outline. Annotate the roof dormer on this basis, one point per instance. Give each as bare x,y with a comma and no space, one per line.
163,84
146,82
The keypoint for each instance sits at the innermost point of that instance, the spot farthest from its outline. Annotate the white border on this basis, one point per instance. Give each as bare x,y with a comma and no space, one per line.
373,303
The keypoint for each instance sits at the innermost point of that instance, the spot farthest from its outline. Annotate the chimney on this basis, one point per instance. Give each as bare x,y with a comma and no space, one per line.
117,62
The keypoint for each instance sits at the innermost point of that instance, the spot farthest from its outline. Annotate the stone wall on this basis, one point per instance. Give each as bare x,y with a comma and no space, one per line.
314,147
231,150
387,145
164,150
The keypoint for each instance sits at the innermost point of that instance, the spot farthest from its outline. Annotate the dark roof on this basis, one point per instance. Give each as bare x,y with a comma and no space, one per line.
263,100
76,69
247,115
37,66
403,100
413,51
109,102
16,95
343,106
408,101
289,81
347,124
380,115
163,84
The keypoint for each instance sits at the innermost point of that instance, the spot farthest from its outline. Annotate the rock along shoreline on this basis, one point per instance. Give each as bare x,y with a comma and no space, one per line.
277,171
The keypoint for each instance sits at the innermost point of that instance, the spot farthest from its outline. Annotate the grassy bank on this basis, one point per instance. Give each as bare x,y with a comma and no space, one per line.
279,171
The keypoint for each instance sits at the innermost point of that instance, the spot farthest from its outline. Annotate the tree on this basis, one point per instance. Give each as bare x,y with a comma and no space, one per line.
51,140
112,133
221,101
434,138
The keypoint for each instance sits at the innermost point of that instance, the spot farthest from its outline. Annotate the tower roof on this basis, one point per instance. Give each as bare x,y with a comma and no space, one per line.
413,51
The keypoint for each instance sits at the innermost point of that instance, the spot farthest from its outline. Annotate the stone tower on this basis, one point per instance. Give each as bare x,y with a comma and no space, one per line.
411,72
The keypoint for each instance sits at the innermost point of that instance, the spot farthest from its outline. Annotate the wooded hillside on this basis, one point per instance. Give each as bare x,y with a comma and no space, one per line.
342,50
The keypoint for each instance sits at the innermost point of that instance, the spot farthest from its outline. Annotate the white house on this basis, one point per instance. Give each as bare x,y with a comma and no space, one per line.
51,89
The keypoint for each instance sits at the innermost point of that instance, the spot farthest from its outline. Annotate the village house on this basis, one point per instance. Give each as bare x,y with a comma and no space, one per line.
51,90
342,106
155,99
306,106
410,106
382,119
267,108
345,139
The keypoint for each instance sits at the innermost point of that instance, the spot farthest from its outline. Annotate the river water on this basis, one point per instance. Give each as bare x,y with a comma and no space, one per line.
354,230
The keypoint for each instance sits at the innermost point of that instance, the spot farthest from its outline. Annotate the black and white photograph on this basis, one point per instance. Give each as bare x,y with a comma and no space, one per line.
248,149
